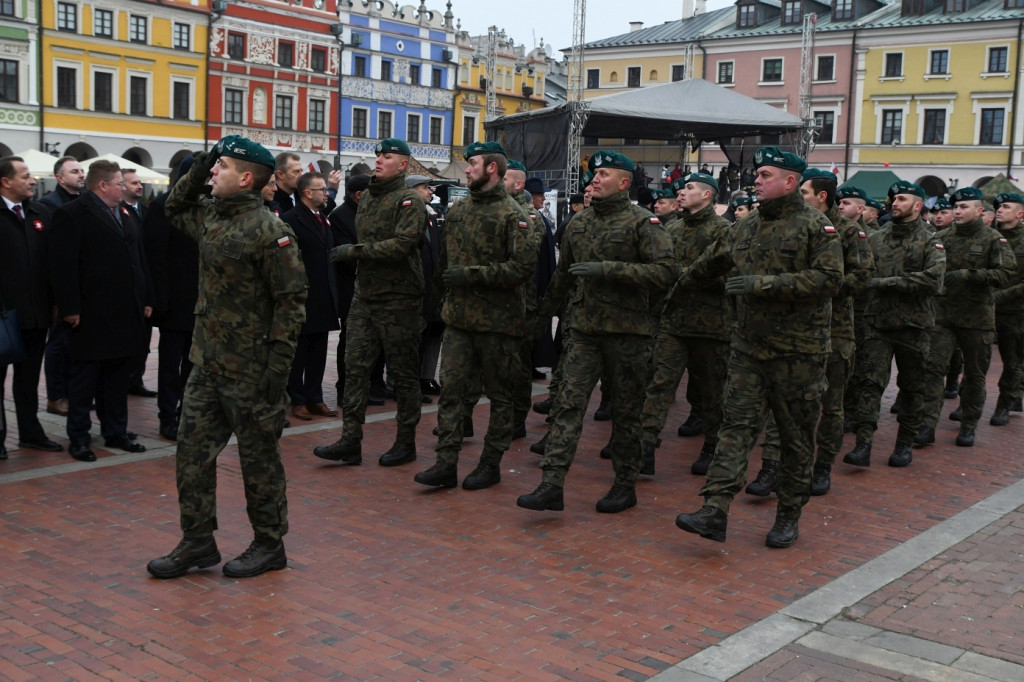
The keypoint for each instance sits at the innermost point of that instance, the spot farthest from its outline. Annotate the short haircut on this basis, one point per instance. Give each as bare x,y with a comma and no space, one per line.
7,166
827,186
306,181
356,183
282,159
129,170
500,160
59,166
260,174
99,171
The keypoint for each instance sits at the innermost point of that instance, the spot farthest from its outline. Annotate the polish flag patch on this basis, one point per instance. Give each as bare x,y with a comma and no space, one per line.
284,241
655,221
523,224
862,234
38,225
830,229
407,202
940,247
1002,240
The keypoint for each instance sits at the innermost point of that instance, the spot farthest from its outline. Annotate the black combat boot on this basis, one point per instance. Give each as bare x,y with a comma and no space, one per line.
547,496
693,426
190,553
606,451
603,412
1001,417
767,479
710,522
400,453
926,436
467,428
619,498
703,462
347,450
957,414
895,409
541,446
965,438
519,431
952,389
901,456
783,534
1017,405
439,476
484,476
647,468
821,479
262,556
543,406
860,456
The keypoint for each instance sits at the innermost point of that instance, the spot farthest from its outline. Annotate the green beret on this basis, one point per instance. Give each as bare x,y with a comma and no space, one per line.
706,178
773,156
742,201
585,180
1008,198
662,194
241,148
942,204
851,192
484,148
609,159
967,194
875,204
812,173
904,187
392,145
516,165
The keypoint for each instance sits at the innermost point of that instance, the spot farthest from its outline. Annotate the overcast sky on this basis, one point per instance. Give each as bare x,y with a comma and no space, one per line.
529,21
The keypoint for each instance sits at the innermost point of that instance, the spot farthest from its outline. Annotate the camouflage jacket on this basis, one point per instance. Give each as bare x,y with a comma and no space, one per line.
389,224
909,263
489,235
857,267
252,283
796,255
636,253
1010,300
700,310
983,261
529,288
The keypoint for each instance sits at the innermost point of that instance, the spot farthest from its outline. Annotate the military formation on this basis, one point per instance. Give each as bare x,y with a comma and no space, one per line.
786,314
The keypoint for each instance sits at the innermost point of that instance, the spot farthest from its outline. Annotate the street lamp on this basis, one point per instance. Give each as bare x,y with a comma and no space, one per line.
217,10
338,31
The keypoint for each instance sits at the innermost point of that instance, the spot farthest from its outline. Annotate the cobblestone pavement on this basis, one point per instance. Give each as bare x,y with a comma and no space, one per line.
899,574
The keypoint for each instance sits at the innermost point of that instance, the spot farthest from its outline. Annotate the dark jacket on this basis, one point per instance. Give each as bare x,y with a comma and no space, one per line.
98,271
173,259
57,198
343,227
322,299
432,243
24,270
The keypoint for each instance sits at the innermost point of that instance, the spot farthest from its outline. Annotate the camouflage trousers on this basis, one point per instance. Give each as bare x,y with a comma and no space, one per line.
213,408
469,361
854,385
1010,328
874,365
829,436
621,359
396,332
976,346
791,387
706,361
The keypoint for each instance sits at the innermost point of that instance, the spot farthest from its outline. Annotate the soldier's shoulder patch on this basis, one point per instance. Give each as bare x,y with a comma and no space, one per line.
939,246
407,202
284,241
523,224
1002,240
862,234
829,228
654,220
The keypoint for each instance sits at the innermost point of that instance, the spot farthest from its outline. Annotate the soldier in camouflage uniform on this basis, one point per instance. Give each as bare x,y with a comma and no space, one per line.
818,189
909,262
790,263
387,308
694,328
853,205
942,214
252,293
613,254
1010,310
490,252
978,260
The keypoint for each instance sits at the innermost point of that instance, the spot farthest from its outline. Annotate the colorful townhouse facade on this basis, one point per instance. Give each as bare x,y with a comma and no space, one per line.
19,76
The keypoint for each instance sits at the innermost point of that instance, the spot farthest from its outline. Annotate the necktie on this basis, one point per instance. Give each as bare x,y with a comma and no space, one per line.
323,228
18,212
117,219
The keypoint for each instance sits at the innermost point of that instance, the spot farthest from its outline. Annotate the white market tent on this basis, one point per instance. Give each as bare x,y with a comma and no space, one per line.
145,174
40,164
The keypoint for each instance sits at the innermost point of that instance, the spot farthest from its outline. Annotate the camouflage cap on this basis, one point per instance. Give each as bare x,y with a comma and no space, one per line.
392,145
662,194
516,165
478,148
610,159
773,156
742,201
705,178
851,192
238,147
813,173
875,204
942,204
904,187
1008,198
967,194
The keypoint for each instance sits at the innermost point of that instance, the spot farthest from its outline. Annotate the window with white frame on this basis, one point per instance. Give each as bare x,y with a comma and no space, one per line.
103,23
234,106
181,100
725,73
317,115
283,107
412,128
182,36
138,95
138,29
67,17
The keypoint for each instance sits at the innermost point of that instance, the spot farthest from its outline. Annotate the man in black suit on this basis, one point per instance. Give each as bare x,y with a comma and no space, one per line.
131,199
173,260
25,287
343,227
103,293
305,381
287,171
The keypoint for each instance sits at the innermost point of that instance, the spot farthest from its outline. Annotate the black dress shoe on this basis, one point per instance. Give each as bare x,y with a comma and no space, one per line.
124,443
425,399
603,412
547,496
619,498
543,406
190,553
400,453
821,479
262,556
902,455
484,476
347,450
926,436
81,452
647,468
703,462
45,445
709,522
965,438
169,430
693,426
435,388
783,534
541,446
141,391
439,476
860,456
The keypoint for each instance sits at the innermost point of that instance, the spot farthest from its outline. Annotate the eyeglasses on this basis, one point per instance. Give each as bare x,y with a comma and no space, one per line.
317,189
